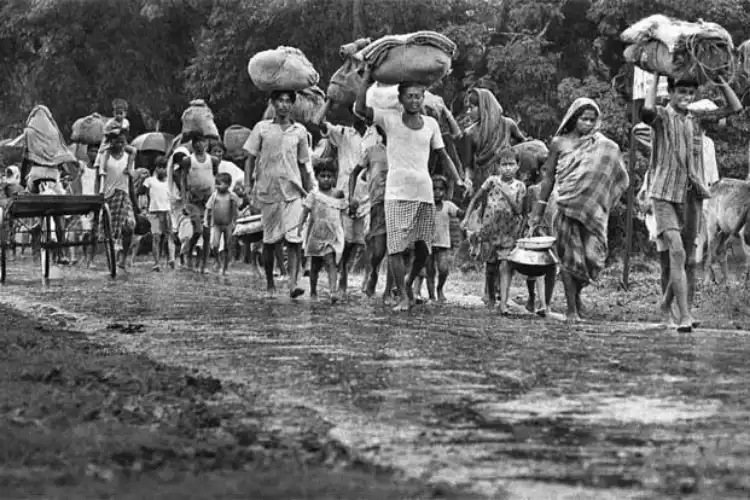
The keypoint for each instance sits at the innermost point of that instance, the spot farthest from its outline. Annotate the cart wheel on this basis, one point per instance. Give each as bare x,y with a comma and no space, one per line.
48,254
3,245
109,241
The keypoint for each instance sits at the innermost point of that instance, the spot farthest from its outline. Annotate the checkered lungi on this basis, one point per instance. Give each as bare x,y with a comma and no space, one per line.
121,211
408,222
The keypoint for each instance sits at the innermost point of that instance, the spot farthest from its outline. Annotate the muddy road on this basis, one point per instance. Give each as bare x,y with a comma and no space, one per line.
516,407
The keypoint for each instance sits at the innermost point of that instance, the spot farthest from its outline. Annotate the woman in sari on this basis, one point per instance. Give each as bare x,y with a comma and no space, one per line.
587,169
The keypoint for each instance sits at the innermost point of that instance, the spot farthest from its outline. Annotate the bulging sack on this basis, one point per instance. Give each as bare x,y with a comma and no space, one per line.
199,118
283,68
413,63
89,129
653,56
234,138
309,102
345,83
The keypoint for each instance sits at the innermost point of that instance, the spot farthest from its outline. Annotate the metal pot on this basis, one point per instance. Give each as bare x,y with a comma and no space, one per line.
532,263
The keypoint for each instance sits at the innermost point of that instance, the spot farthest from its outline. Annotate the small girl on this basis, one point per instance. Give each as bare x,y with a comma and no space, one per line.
502,224
325,234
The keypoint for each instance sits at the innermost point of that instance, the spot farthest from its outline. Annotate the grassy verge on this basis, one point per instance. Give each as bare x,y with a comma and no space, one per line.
79,421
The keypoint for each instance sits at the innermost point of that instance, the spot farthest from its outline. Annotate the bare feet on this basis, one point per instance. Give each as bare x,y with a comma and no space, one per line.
572,317
403,305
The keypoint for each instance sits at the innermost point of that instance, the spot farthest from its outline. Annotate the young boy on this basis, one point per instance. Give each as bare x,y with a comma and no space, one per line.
222,210
440,260
159,216
198,175
375,165
677,189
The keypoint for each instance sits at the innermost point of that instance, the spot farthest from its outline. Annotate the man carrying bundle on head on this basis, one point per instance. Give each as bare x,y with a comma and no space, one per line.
676,188
409,200
277,155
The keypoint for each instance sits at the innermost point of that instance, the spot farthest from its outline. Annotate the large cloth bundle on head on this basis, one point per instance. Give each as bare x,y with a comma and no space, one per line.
89,129
347,80
309,102
199,118
45,144
699,51
283,68
234,138
424,57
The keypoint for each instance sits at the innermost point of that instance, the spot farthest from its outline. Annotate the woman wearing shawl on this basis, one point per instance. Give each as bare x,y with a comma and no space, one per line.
490,133
587,169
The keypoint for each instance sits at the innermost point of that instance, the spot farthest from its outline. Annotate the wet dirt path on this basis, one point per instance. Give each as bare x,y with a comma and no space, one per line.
518,408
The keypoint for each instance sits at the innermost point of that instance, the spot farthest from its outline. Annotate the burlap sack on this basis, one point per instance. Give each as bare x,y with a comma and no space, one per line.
413,63
199,118
234,138
283,68
89,129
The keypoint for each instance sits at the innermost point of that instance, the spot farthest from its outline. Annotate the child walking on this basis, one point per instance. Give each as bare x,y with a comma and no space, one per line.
222,209
502,224
325,234
160,216
440,260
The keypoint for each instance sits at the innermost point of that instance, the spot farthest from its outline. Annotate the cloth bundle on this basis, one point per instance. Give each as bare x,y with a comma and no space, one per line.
234,138
199,118
309,102
89,129
347,80
45,145
700,51
283,68
424,57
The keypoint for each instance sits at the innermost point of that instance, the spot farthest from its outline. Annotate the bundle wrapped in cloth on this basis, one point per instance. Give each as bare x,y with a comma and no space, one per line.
309,102
424,56
283,68
45,145
89,129
199,118
347,80
700,51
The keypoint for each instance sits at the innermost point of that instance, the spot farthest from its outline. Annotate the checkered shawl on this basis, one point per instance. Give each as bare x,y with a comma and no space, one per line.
590,179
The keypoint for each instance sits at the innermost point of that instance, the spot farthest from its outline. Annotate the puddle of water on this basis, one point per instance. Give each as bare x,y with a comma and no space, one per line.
594,407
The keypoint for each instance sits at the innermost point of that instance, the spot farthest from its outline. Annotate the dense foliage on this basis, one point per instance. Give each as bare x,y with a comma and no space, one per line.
536,55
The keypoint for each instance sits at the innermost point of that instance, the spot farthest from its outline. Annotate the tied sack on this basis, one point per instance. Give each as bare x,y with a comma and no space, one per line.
89,129
234,138
309,102
347,80
199,118
424,57
699,51
283,68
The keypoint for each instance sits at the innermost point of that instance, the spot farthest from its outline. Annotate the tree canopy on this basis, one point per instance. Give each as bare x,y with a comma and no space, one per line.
75,56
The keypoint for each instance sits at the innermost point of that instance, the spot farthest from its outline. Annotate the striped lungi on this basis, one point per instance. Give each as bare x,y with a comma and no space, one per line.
408,222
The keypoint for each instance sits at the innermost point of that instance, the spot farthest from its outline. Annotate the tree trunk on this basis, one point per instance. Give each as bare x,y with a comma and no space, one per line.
358,19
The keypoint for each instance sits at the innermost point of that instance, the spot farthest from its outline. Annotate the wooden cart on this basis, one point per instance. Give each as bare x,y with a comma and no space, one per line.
28,211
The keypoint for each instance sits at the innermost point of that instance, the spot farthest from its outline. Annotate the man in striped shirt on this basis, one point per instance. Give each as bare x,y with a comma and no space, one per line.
677,189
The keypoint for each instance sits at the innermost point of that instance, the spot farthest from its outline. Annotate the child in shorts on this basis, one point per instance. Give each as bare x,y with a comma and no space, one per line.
222,210
160,217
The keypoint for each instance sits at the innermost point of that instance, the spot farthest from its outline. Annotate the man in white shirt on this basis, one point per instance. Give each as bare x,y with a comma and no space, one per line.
409,200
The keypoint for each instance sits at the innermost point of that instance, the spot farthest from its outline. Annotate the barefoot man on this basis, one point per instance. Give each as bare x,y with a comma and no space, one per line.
409,201
278,153
677,190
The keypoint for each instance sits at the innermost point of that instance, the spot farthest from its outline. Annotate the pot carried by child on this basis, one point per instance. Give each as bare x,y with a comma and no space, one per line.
234,138
700,51
199,118
89,129
424,57
283,68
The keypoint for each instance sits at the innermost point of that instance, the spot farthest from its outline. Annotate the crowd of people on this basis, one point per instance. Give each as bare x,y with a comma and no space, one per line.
399,183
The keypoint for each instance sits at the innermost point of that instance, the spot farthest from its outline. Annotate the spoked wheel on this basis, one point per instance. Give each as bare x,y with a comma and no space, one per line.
108,240
4,238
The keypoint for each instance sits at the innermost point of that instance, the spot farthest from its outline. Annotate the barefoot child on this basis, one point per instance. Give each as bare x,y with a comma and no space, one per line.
502,224
325,234
160,217
440,260
222,210
375,165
